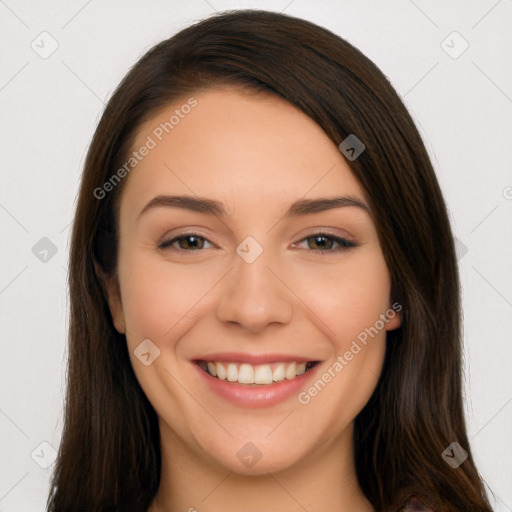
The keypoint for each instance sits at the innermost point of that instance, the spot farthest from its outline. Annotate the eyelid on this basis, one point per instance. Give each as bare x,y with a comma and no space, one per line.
344,243
166,243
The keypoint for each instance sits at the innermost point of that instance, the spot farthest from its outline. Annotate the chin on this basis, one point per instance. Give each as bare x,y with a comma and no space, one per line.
258,456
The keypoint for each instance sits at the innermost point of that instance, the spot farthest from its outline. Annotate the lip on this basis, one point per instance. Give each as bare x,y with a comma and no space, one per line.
255,396
232,357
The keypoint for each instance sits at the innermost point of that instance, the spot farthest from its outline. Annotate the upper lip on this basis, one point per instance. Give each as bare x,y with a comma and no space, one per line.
238,357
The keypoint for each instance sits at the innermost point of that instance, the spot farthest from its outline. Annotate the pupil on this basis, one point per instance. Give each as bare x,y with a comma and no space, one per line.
321,242
192,241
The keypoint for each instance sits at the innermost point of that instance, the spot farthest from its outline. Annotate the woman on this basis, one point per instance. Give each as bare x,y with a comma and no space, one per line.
264,292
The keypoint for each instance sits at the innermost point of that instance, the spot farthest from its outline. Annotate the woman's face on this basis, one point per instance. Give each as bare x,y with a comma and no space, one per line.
242,268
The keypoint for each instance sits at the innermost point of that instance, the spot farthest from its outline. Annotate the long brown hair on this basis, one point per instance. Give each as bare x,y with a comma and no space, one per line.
109,457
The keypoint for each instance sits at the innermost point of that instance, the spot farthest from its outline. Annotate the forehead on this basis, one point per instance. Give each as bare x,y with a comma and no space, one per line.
239,148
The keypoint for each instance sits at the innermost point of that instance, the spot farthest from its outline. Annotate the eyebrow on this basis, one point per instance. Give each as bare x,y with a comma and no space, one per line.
213,207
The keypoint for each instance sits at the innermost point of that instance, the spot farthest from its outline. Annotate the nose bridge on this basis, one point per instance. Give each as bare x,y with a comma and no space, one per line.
252,296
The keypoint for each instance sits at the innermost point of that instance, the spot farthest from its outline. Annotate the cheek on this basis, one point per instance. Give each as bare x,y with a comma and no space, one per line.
351,307
346,298
160,298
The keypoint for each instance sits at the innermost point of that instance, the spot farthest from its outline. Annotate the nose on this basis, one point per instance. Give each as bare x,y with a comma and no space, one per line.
254,297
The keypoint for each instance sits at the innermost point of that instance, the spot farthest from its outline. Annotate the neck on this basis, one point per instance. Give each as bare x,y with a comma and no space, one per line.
322,480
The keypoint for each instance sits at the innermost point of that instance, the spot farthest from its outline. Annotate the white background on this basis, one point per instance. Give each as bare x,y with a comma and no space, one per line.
49,110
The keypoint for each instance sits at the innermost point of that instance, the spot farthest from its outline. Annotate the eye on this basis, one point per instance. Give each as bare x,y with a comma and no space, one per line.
187,242
324,243
317,242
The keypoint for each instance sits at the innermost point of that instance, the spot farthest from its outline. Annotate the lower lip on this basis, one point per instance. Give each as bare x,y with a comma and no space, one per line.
253,396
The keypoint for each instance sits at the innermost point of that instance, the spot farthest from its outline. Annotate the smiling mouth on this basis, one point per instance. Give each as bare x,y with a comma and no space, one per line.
258,374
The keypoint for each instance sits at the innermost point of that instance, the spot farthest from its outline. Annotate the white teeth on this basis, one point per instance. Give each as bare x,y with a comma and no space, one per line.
211,368
291,371
245,373
278,373
221,371
232,372
263,374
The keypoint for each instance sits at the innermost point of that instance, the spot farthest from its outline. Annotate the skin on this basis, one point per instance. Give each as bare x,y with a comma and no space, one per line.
238,148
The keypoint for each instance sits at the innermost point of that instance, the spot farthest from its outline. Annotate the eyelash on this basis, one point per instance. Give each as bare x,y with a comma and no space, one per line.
343,243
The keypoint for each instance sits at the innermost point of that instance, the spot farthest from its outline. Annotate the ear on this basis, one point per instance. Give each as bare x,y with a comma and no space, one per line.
394,315
112,293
